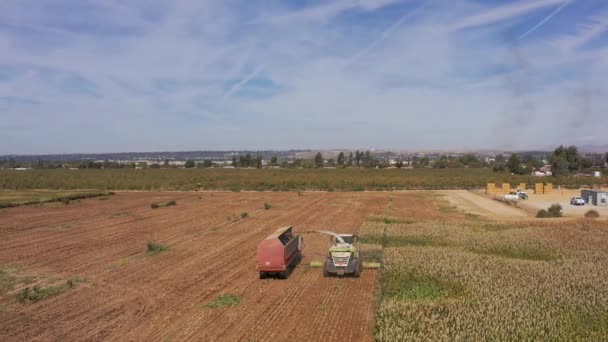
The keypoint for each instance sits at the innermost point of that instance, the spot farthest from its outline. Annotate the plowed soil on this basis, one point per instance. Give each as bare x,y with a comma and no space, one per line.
128,295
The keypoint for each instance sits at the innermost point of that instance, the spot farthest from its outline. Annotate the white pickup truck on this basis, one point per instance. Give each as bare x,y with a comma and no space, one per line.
516,195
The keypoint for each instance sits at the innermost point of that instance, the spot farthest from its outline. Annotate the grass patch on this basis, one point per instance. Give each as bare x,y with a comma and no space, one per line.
168,204
37,293
10,199
448,209
407,285
223,301
388,220
215,229
7,281
155,248
584,324
519,252
267,206
244,215
592,214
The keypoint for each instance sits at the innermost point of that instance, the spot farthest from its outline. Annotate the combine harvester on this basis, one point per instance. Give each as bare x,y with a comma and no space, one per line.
279,253
344,257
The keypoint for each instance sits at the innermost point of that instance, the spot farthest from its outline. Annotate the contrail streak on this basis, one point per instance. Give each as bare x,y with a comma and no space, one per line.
384,35
241,83
544,21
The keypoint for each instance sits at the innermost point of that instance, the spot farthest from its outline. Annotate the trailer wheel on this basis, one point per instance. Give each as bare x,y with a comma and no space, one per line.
263,275
283,275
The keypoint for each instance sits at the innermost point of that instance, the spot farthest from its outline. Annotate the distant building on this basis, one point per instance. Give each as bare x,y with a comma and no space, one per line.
597,174
544,171
595,197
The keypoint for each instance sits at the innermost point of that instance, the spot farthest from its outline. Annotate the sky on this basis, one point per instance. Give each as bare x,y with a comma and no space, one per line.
93,76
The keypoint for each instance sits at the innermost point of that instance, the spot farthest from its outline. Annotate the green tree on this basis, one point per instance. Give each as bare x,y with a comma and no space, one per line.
424,162
246,160
274,160
565,160
190,164
559,165
318,160
341,159
358,157
399,164
258,161
207,163
514,164
349,161
235,162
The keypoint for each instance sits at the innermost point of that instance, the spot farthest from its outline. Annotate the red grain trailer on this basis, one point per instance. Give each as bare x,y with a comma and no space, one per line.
279,252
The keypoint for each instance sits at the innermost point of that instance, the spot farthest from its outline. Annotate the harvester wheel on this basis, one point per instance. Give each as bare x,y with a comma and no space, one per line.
325,271
359,268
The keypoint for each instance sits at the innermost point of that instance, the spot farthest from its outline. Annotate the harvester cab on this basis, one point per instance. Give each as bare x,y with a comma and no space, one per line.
343,256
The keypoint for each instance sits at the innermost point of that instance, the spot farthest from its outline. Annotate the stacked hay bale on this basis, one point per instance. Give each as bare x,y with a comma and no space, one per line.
522,186
548,188
539,188
491,189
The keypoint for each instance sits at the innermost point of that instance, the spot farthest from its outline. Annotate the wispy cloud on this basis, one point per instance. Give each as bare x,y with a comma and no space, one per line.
502,13
592,30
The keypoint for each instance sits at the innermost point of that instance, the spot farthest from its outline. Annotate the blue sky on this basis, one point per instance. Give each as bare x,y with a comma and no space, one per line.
109,75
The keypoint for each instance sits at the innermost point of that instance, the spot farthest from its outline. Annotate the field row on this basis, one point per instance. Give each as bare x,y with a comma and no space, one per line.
272,179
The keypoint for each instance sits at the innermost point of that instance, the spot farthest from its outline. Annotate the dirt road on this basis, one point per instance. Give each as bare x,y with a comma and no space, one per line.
479,204
126,295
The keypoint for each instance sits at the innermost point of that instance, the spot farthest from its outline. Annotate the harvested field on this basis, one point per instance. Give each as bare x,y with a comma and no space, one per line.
125,294
453,267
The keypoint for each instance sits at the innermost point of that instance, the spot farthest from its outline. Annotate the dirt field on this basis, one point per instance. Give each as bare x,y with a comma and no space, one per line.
126,295
478,204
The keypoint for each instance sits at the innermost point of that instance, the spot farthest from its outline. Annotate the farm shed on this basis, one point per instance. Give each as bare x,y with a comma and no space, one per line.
595,197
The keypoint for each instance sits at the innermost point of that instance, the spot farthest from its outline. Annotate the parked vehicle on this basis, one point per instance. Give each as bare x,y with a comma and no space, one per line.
577,201
516,195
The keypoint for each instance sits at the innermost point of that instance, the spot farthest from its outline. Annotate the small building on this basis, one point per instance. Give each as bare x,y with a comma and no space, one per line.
597,174
595,197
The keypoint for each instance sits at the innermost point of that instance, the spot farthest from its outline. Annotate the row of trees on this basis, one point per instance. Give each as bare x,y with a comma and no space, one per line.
563,160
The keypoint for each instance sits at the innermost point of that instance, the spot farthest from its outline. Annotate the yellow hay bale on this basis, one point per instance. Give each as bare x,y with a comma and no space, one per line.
316,264
367,264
